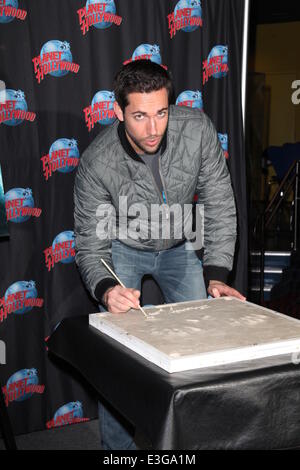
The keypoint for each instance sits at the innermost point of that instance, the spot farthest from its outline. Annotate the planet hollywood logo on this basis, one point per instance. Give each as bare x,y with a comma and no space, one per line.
101,109
216,65
21,297
190,98
63,157
9,10
22,385
13,108
187,17
19,205
69,413
55,59
147,52
223,138
61,251
100,14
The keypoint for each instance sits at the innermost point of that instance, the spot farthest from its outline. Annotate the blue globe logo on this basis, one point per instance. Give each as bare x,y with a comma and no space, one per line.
219,51
195,5
27,198
9,3
66,55
74,407
30,293
20,376
73,152
151,50
20,104
190,98
62,237
108,97
223,138
109,8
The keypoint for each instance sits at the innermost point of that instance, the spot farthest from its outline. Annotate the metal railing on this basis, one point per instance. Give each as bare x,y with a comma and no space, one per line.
289,182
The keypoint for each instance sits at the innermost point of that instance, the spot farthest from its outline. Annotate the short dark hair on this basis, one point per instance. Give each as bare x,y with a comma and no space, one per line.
141,76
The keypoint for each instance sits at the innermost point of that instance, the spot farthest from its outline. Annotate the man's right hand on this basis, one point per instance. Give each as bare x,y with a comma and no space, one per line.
120,299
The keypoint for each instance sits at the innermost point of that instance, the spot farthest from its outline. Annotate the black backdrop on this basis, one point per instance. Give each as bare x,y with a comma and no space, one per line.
39,283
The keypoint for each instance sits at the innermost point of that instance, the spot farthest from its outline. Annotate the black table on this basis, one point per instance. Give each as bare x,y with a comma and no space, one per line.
246,406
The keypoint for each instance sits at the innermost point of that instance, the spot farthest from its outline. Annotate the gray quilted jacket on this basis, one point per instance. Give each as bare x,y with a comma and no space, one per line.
191,162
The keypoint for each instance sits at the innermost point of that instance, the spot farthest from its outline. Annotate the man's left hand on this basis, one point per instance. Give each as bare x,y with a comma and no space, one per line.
219,289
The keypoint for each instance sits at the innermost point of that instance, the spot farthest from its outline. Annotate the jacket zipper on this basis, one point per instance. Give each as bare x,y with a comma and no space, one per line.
164,188
165,192
165,204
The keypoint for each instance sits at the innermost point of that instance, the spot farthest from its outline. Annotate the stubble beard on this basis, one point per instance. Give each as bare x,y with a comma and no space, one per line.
140,148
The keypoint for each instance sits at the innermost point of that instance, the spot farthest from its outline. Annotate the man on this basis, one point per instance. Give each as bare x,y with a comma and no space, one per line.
155,156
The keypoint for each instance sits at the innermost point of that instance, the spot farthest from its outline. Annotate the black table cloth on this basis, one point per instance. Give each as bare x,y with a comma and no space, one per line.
254,405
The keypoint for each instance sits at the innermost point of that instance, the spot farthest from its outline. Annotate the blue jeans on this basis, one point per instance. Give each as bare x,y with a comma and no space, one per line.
178,272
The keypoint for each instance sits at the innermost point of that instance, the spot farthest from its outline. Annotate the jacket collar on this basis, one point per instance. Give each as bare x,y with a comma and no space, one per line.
127,146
